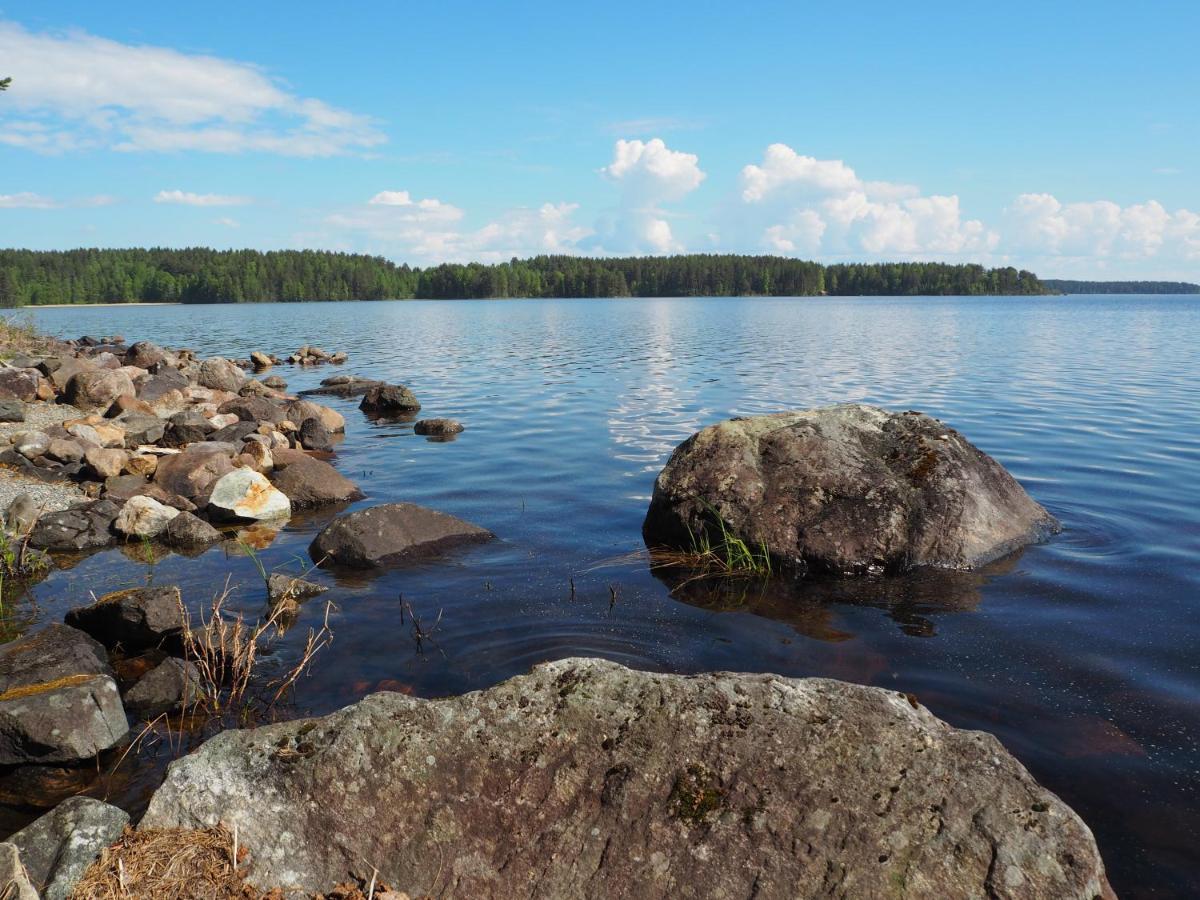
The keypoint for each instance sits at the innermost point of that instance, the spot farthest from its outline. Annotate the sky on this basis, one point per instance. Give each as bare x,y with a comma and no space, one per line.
1059,137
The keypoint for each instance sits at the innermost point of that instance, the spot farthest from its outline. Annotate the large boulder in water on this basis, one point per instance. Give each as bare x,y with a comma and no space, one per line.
313,482
587,779
389,533
845,489
134,619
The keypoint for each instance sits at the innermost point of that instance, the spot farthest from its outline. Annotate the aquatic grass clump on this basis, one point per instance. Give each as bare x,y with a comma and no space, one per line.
726,556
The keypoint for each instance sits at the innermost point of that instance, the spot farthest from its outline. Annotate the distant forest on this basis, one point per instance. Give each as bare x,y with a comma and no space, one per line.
1061,286
200,275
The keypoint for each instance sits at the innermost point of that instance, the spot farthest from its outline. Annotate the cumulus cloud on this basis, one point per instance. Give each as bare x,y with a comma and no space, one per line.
801,204
78,91
187,198
1039,224
26,200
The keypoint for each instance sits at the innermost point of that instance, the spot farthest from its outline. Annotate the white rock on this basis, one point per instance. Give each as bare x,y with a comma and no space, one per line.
144,517
222,420
245,494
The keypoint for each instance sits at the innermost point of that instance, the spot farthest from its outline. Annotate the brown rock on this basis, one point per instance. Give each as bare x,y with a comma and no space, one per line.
189,474
96,390
311,482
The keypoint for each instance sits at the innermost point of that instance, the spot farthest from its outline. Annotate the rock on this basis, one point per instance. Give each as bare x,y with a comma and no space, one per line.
312,482
14,879
234,434
300,410
122,487
66,719
187,530
220,375
144,354
12,411
187,427
65,450
343,386
143,517
391,532
845,489
135,619
191,473
259,455
283,588
260,360
389,399
127,403
21,515
19,384
253,409
58,848
224,420
141,429
437,427
165,688
105,463
49,654
587,779
111,436
244,494
161,384
143,464
78,528
275,382
314,436
96,390
31,444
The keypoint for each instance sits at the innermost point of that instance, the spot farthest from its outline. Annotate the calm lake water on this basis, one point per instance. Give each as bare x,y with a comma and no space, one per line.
1082,655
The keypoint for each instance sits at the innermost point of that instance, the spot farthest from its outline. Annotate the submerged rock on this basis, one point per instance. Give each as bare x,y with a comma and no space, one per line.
587,779
438,427
389,533
171,684
284,588
845,489
58,848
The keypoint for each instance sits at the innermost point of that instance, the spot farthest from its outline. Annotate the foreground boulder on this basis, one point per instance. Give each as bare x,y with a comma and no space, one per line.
65,720
844,489
587,779
57,849
389,399
389,533
54,652
78,528
136,619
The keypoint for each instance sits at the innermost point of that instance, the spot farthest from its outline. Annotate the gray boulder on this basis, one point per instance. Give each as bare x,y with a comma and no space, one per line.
50,654
97,389
58,848
78,528
315,436
391,532
844,489
12,411
68,719
253,409
438,427
160,384
19,384
135,619
284,588
144,354
342,386
170,685
587,779
187,427
299,410
14,879
220,375
141,428
389,399
312,482
187,530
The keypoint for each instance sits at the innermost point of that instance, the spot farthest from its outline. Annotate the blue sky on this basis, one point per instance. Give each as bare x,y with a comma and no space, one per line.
1059,137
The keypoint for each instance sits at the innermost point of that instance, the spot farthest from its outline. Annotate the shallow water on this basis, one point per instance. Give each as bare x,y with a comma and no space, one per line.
1080,654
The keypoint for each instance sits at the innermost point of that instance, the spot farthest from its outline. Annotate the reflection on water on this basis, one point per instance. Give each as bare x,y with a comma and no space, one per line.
1079,654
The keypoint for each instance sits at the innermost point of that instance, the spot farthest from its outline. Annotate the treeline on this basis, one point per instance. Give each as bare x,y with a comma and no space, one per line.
200,275
1064,286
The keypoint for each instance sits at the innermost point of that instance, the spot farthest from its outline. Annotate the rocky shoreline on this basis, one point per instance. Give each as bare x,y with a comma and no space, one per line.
581,778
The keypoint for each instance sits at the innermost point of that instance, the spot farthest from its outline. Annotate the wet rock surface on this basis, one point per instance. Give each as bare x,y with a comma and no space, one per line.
54,652
586,779
845,489
389,399
64,720
390,533
134,620
167,687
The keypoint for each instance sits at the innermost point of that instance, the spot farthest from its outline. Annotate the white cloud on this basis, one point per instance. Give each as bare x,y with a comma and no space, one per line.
26,200
187,198
76,91
652,171
227,222
801,204
1041,226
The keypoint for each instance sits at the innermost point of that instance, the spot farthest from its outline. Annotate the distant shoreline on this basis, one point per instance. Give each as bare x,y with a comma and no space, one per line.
76,305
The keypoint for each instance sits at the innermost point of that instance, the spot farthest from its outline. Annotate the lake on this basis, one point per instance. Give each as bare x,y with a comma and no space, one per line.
1082,655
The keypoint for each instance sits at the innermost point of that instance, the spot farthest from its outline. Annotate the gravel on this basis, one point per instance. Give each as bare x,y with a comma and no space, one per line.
50,497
